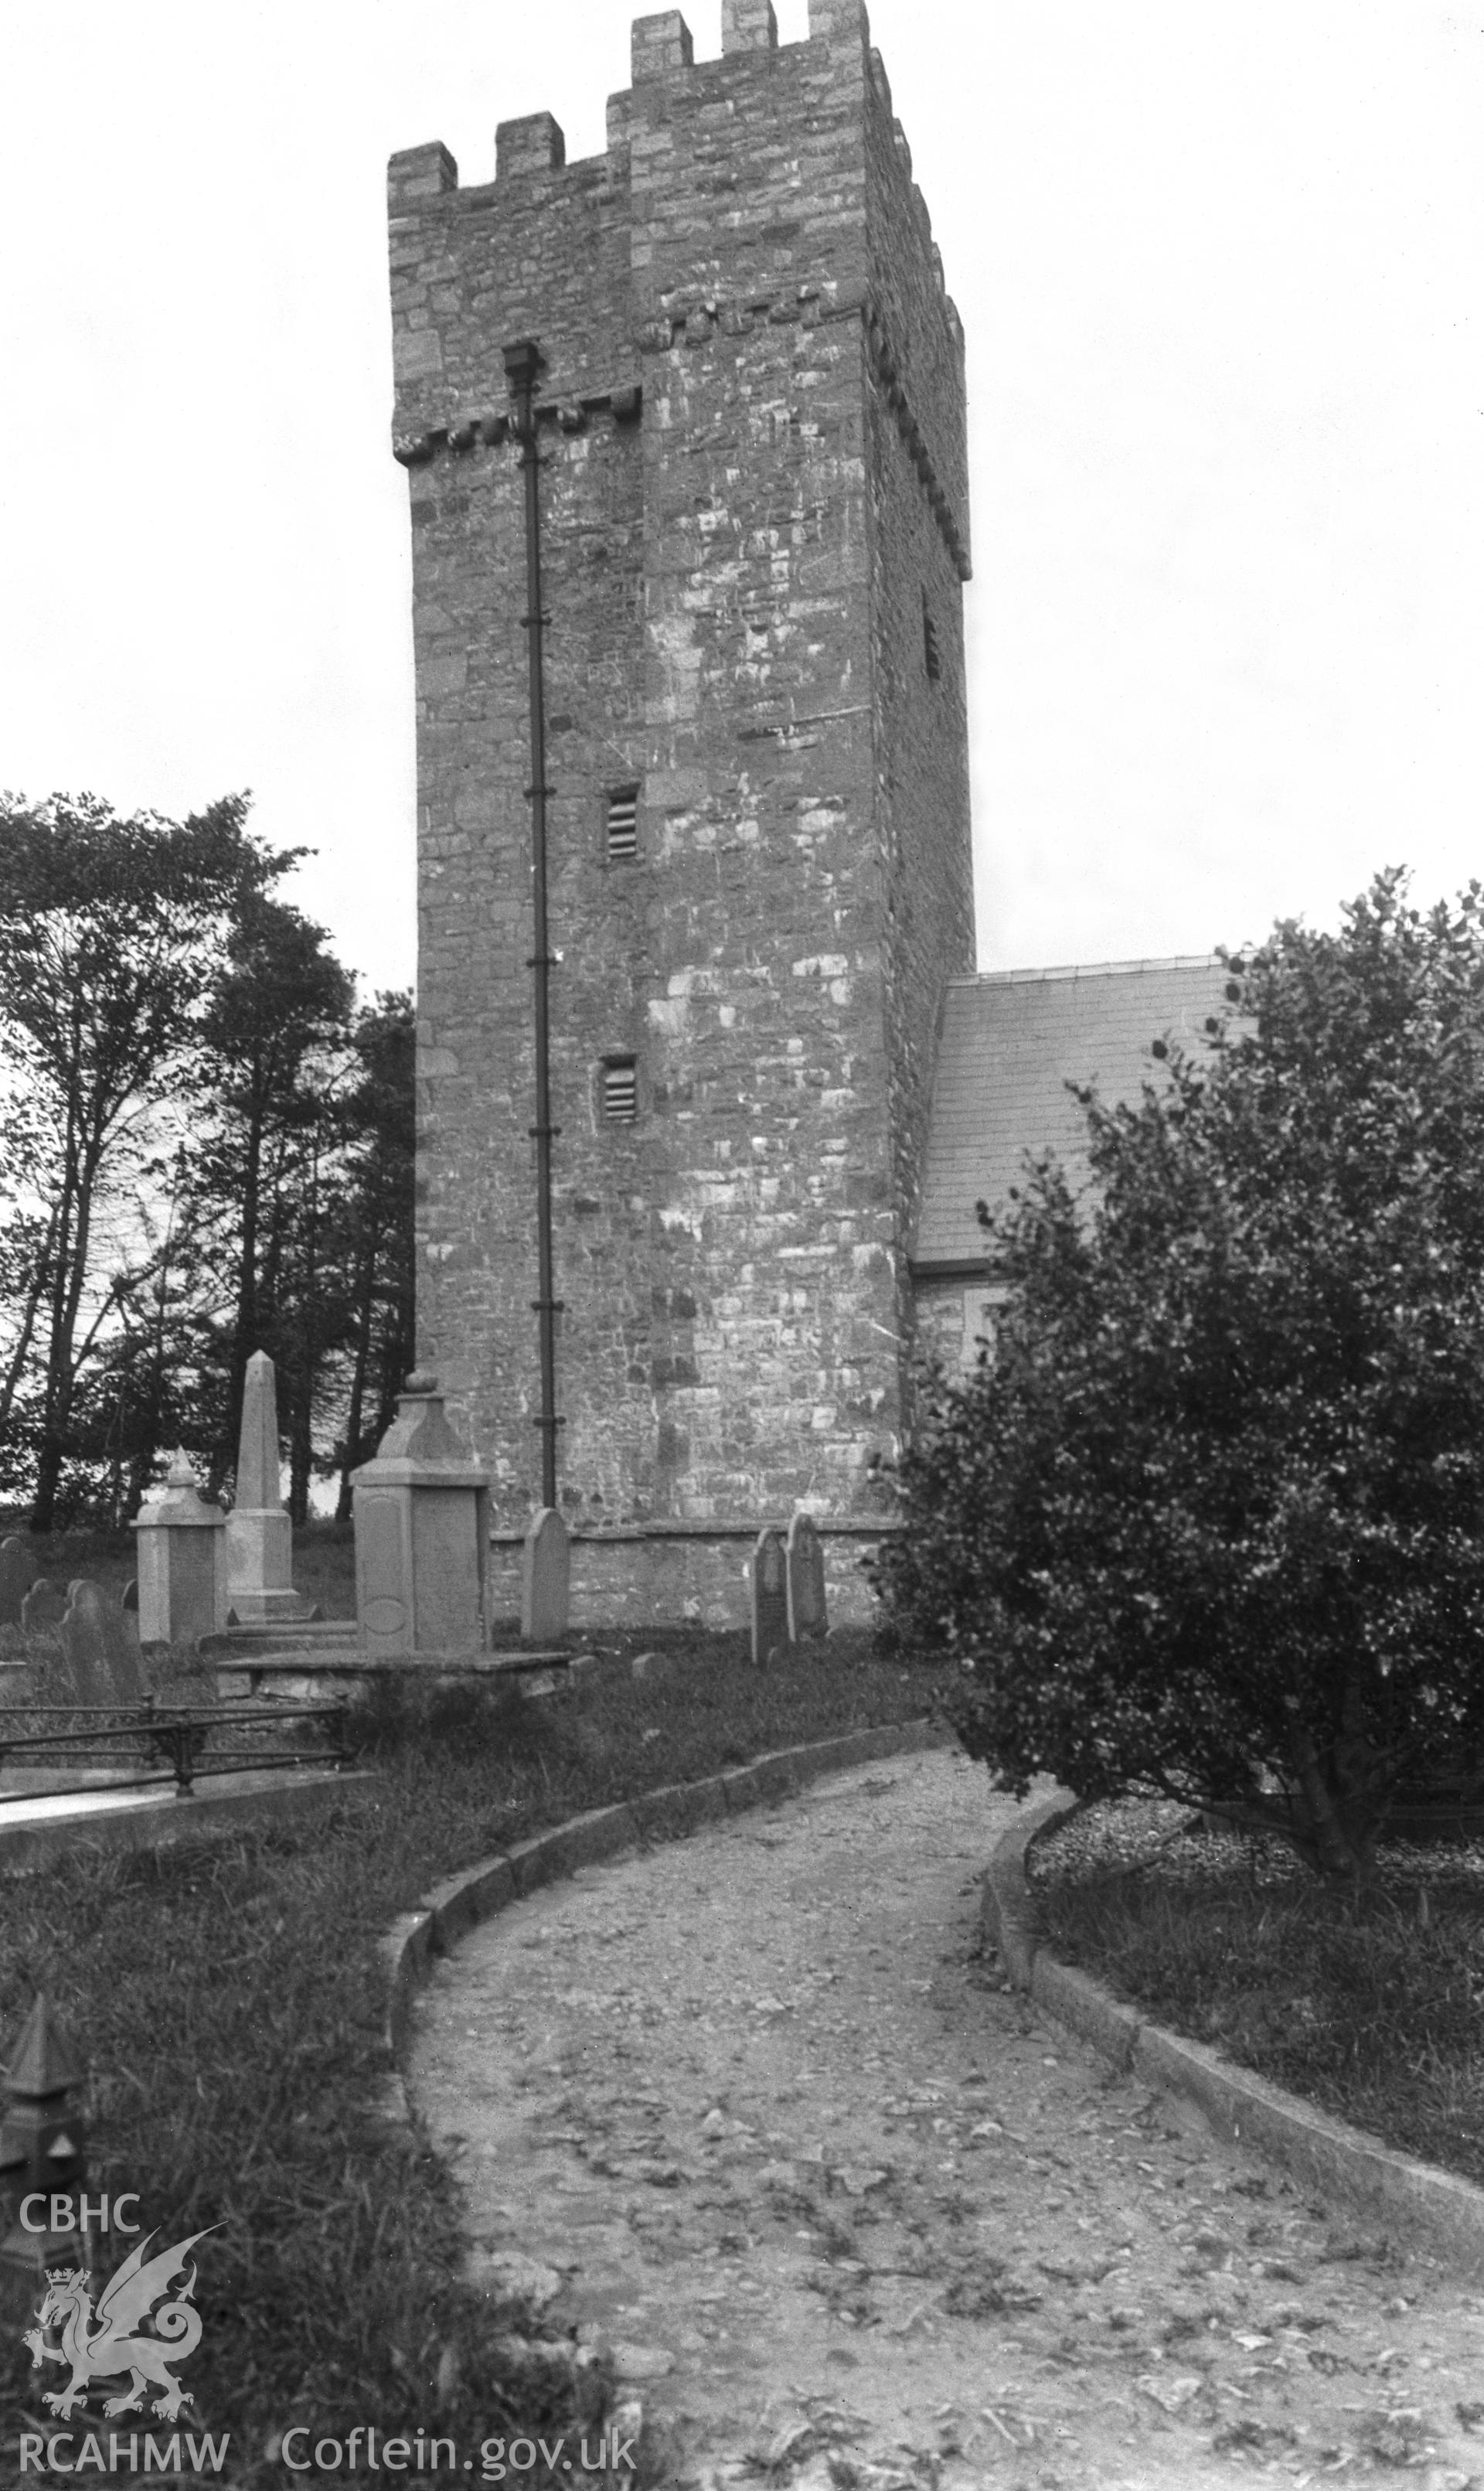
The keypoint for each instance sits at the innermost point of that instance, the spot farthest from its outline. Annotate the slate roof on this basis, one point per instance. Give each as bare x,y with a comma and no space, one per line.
1010,1040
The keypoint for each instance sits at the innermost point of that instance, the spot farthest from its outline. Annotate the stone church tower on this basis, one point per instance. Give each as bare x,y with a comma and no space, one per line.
748,410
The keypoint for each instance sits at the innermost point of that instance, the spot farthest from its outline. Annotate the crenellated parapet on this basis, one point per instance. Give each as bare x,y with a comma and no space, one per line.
693,192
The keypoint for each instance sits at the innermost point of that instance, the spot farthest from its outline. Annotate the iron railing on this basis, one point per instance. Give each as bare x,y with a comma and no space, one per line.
179,1737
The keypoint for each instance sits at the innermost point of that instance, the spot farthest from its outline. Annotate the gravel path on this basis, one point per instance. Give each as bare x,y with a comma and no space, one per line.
750,2111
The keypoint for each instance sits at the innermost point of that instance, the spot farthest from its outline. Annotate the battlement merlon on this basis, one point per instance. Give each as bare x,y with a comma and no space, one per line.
660,46
694,213
420,173
532,145
748,26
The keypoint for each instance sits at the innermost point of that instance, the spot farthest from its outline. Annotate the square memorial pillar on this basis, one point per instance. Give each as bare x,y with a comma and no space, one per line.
181,1539
422,1519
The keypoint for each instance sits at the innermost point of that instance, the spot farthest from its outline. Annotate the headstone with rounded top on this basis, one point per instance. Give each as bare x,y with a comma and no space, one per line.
44,1605
546,1579
180,1538
421,1511
19,1571
805,1560
82,1676
101,1657
769,1599
51,1678
260,1537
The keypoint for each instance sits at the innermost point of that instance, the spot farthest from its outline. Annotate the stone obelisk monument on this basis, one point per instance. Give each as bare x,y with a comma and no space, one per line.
260,1538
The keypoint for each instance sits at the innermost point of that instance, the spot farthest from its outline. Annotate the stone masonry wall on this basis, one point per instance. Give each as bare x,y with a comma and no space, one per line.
745,419
919,470
749,235
629,1581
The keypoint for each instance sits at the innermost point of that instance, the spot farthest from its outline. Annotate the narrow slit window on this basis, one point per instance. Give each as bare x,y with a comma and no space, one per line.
931,662
623,826
982,1308
620,1090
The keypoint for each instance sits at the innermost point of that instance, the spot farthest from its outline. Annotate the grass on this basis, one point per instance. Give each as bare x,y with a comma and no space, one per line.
324,1564
325,1567
107,1558
324,1560
227,2000
1370,2005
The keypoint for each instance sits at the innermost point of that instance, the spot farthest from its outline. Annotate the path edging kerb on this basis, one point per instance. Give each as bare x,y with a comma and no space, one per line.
449,1910
1434,2208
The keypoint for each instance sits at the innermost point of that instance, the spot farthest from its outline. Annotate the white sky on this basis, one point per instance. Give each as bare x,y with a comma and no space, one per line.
1220,270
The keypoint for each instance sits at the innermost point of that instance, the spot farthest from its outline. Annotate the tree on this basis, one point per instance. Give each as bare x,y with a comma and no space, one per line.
108,929
308,1283
152,1382
1207,1518
299,1200
382,1126
278,1004
28,1235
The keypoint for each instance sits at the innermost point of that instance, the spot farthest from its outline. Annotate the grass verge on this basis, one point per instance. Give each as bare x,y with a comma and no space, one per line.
228,2003
1370,2005
324,1560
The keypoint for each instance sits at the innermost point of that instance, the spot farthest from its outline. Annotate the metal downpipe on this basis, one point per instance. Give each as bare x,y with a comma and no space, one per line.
523,363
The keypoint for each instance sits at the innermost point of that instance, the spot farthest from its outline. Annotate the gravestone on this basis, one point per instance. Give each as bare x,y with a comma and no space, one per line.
260,1537
769,1599
806,1562
180,1537
83,1678
421,1518
44,1605
546,1579
103,1661
17,1573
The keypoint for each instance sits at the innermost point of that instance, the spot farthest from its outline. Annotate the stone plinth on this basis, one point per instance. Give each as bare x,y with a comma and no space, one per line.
422,1520
260,1568
182,1566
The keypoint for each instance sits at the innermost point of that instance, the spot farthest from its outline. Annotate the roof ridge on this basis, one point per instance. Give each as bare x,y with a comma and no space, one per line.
1088,969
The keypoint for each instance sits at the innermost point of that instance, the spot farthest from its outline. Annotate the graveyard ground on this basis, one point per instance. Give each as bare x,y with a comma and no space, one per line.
227,2000
757,2115
1369,2003
324,1560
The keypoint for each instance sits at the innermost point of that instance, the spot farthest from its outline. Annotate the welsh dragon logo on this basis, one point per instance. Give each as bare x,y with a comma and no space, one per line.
104,2344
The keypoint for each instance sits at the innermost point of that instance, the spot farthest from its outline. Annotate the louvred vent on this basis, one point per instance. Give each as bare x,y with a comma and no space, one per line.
622,825
620,1092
